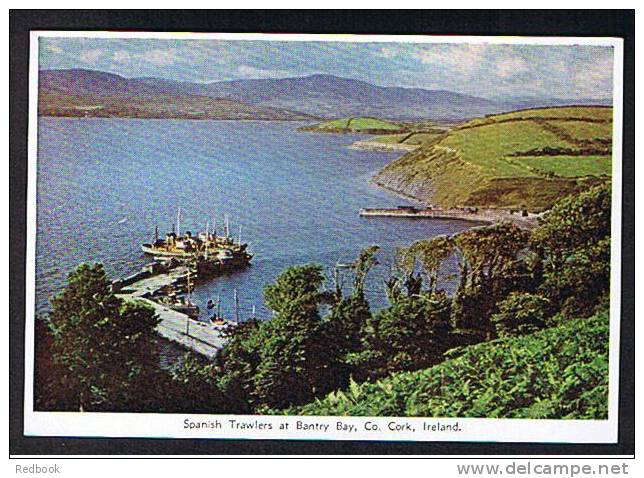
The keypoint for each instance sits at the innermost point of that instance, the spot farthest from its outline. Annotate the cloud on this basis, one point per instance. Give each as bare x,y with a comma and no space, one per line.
157,56
389,52
160,56
464,59
91,56
247,71
511,66
51,47
121,56
594,77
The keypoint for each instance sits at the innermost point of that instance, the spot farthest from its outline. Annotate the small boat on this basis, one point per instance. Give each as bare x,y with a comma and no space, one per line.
221,323
188,308
217,320
181,304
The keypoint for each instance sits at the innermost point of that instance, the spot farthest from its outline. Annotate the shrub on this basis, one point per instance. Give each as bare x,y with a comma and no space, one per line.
573,242
102,346
410,334
521,313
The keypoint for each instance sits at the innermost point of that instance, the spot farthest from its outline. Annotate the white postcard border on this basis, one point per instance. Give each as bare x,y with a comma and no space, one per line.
125,425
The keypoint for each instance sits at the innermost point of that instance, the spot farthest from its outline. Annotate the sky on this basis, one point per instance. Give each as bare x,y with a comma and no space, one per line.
486,70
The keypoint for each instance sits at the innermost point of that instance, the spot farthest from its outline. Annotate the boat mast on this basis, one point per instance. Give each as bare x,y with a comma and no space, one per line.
236,305
226,226
188,284
207,237
179,221
240,231
189,302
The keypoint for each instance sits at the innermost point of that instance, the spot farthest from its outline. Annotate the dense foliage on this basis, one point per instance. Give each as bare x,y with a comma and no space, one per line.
561,372
96,352
521,313
573,244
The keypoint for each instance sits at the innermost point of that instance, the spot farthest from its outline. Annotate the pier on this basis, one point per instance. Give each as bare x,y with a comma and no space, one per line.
200,337
485,216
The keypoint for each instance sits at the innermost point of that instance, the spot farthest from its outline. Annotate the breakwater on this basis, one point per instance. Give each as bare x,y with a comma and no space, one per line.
484,216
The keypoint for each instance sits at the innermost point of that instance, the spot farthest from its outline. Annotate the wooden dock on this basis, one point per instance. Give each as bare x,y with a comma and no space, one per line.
177,327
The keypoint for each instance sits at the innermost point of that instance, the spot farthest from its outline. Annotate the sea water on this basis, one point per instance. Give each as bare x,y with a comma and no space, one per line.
104,184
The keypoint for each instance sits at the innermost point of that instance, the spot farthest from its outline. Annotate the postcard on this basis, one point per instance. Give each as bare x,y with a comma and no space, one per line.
324,237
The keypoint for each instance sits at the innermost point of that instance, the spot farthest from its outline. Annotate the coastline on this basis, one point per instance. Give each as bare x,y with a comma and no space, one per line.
423,210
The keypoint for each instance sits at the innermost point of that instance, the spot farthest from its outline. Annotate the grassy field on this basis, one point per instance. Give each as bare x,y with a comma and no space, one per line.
529,158
391,138
561,372
568,166
357,124
588,113
584,130
413,139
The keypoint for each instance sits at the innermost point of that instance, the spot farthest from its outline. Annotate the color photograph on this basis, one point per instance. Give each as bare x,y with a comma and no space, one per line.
322,229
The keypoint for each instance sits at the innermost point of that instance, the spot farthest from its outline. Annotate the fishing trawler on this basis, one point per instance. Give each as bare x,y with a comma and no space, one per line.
207,252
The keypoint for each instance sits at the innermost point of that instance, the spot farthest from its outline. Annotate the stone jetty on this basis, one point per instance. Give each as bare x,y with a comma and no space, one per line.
146,285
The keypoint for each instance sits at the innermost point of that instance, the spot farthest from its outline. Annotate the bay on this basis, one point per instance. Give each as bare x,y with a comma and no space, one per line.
103,185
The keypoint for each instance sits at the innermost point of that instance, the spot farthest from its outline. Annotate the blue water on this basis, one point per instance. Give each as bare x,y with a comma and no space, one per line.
103,184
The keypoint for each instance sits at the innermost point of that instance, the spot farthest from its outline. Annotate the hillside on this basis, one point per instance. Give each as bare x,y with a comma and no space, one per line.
364,125
160,106
83,93
332,96
526,158
561,372
319,96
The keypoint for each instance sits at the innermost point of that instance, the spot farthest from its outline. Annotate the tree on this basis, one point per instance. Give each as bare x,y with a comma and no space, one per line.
349,315
240,358
521,313
573,244
103,345
404,281
366,261
412,333
489,261
431,254
192,386
287,360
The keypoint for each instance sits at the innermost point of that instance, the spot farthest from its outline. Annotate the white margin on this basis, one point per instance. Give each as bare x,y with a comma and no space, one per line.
69,424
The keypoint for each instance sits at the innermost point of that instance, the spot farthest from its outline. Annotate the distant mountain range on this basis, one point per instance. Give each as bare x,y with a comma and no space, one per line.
93,93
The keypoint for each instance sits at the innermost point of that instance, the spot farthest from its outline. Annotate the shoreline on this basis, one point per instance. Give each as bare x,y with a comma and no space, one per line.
175,118
424,210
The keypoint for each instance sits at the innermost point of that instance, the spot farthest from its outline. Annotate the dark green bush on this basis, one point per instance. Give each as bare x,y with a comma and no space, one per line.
573,243
521,313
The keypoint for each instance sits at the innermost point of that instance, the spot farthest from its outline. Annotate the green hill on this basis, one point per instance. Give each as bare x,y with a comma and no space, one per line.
561,372
365,125
524,158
